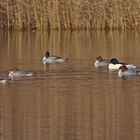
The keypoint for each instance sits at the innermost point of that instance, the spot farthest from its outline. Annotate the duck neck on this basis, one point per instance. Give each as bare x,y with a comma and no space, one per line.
47,54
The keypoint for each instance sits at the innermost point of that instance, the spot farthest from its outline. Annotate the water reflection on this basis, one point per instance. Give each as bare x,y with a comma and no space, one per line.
69,101
76,45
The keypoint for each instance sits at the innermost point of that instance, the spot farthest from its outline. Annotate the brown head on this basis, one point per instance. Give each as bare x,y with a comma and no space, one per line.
123,68
99,58
14,69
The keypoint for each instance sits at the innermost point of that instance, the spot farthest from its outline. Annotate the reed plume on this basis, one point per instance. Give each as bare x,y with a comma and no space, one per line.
70,14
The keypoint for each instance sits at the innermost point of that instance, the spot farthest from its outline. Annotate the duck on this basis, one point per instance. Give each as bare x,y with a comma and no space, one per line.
100,62
115,65
15,72
124,71
3,81
52,59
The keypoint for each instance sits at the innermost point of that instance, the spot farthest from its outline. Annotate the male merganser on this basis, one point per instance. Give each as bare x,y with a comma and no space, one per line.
15,72
100,62
52,59
115,65
124,71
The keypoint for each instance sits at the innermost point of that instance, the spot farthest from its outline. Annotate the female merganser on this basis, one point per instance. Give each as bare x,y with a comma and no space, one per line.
52,59
115,65
100,62
15,72
124,71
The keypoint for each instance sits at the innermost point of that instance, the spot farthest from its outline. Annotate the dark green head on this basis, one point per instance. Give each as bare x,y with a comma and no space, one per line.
47,54
114,61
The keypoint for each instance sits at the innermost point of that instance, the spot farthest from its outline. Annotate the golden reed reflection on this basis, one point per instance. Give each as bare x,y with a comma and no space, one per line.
75,45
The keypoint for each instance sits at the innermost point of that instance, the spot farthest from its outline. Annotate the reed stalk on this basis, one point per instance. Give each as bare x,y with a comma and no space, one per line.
70,14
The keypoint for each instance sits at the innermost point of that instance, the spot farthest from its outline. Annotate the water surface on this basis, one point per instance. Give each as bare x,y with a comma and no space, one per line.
72,100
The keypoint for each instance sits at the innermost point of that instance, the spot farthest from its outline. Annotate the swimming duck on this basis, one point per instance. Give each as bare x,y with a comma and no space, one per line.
52,59
15,72
3,81
124,71
100,62
115,65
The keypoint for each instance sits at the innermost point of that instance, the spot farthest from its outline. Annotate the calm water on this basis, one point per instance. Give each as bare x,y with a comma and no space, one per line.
69,101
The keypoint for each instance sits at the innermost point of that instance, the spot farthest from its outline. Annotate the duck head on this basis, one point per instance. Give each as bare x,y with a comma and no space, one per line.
99,58
114,61
14,69
47,54
123,68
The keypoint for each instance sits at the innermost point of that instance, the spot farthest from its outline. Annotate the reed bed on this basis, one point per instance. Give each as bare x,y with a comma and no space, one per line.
69,14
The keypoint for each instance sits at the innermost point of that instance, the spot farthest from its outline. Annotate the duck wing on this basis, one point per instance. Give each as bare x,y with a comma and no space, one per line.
123,63
56,57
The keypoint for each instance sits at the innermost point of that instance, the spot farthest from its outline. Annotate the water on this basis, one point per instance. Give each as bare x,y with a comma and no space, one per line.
73,100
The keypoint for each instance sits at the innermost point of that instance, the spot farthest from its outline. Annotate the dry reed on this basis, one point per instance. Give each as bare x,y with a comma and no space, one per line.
69,14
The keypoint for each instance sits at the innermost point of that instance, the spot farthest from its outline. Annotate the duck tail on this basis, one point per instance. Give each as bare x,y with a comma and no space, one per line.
138,72
131,66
